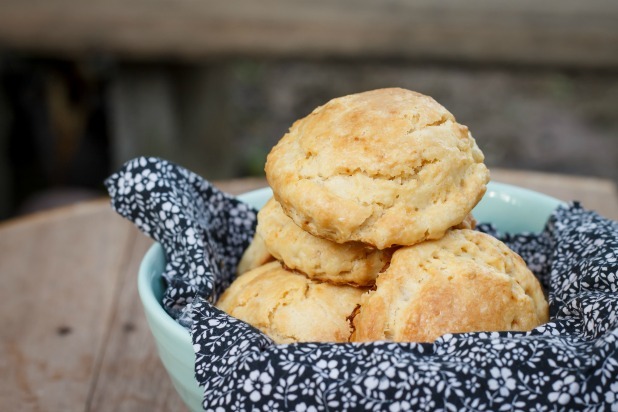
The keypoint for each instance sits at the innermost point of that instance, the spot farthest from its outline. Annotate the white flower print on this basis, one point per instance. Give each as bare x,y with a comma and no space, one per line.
563,390
145,181
329,367
125,184
257,385
303,407
399,406
471,384
190,236
170,208
307,388
348,400
611,396
539,379
426,403
270,406
517,354
501,380
371,383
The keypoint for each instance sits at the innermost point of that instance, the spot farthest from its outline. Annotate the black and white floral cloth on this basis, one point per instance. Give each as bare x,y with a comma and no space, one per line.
570,363
202,230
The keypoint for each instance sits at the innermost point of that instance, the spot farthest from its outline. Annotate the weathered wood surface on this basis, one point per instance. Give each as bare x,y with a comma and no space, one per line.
73,333
60,272
568,32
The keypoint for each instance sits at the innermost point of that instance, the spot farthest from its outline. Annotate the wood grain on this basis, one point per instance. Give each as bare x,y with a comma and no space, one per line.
131,377
59,277
568,32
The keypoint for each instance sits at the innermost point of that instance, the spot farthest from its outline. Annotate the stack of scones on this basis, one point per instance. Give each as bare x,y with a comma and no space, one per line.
369,234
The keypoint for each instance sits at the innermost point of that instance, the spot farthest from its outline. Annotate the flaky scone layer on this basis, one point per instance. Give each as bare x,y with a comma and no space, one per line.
289,307
321,259
385,167
465,282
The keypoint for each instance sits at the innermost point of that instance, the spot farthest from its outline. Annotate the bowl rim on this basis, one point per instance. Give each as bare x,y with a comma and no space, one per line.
151,304
175,331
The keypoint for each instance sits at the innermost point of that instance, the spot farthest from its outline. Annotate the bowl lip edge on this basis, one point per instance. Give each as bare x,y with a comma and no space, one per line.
546,198
156,312
154,309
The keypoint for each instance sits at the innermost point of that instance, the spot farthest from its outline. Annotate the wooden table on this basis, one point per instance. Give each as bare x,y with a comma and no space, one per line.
73,336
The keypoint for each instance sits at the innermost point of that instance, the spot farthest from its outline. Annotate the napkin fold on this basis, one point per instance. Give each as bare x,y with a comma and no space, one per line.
202,230
570,363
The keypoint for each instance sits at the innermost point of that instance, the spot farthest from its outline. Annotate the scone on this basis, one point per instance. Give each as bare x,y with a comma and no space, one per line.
289,307
340,263
465,282
254,256
469,222
385,167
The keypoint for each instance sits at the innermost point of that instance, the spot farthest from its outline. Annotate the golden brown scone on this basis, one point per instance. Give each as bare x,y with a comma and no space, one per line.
385,167
289,307
254,256
467,281
469,222
340,263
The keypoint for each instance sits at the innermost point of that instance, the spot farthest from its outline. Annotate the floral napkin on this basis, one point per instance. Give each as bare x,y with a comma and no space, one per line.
570,363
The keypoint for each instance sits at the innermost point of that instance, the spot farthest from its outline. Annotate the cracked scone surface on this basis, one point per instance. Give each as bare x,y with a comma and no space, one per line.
289,307
321,259
465,282
254,256
385,167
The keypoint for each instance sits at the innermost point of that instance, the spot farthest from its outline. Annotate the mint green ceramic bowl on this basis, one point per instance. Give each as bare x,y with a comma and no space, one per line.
509,208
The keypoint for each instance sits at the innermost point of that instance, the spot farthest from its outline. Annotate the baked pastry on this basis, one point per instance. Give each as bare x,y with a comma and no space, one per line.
289,307
467,281
340,263
469,222
254,256
385,167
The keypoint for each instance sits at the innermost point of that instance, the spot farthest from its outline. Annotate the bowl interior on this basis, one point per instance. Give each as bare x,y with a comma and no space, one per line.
509,208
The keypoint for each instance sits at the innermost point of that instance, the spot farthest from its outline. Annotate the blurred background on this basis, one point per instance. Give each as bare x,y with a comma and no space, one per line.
213,85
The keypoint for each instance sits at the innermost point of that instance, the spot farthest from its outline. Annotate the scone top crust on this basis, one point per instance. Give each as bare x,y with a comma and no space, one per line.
467,281
385,167
289,307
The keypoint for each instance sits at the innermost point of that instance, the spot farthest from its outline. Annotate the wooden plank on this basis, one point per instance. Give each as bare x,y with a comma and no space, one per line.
132,377
569,32
59,274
